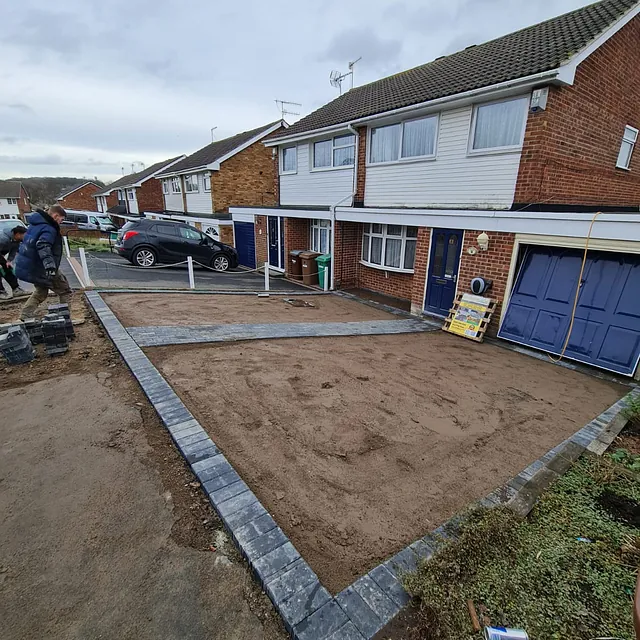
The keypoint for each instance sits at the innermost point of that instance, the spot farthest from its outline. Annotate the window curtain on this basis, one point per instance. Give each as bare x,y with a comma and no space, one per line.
499,125
322,154
419,138
376,250
385,143
409,254
344,157
289,159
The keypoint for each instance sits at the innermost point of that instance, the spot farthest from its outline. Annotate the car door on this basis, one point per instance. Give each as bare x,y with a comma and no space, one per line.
168,242
195,244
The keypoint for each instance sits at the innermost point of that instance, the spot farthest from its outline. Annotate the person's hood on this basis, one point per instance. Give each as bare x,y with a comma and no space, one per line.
40,217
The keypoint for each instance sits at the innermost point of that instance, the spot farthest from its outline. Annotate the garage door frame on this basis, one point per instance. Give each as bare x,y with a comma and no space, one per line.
595,244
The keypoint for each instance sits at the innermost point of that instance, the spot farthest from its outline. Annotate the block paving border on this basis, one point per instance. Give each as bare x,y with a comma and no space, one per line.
308,610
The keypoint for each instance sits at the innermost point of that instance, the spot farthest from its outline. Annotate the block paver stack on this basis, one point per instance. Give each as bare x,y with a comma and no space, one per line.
15,345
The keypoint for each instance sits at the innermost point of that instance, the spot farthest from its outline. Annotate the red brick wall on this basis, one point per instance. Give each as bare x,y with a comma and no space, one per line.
261,234
150,196
492,264
361,177
348,245
81,199
24,203
296,236
420,269
570,149
389,283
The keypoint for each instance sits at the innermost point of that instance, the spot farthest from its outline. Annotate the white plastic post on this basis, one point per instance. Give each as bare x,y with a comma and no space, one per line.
66,247
325,282
266,276
192,280
85,267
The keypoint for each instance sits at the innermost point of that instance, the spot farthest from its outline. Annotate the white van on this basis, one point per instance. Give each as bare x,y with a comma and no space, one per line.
89,220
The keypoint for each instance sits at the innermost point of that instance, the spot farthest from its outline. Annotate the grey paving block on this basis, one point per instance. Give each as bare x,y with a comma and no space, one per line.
275,560
182,441
254,529
380,603
303,603
405,561
294,577
242,517
598,447
348,632
218,466
221,481
390,585
425,547
176,429
571,450
187,431
559,464
321,624
229,491
236,503
359,612
187,449
202,454
264,544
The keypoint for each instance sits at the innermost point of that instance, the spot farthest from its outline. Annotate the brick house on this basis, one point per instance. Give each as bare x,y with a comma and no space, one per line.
134,193
237,171
14,200
490,162
79,196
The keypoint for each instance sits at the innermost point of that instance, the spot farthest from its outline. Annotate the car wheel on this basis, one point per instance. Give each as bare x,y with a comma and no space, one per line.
144,258
221,262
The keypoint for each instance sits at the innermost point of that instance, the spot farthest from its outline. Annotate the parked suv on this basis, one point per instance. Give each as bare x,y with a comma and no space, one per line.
146,242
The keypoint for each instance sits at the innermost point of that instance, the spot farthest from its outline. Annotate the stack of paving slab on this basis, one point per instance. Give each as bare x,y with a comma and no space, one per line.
15,345
55,334
64,311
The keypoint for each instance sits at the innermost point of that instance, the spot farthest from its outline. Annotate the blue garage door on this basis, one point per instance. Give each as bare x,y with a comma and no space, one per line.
245,243
606,331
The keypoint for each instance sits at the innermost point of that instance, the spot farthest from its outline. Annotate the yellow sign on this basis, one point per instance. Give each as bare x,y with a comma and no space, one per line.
469,315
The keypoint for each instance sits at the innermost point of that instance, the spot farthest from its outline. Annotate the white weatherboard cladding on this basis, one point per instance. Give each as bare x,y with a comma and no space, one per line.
309,188
200,202
5,207
453,179
173,202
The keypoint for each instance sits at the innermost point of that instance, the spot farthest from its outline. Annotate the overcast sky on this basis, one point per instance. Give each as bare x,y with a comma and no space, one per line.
91,86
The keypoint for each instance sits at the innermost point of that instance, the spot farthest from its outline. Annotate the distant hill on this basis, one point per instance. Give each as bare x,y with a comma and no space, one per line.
44,190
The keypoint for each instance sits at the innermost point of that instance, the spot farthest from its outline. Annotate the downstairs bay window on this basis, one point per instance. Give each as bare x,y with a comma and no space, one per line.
389,246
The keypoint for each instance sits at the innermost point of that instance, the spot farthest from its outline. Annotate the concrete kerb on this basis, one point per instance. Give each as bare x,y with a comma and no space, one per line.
307,609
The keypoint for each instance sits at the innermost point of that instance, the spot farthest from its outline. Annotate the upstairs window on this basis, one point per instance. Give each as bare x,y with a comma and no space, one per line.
165,187
289,160
337,152
499,125
405,140
389,246
191,183
629,140
175,185
207,181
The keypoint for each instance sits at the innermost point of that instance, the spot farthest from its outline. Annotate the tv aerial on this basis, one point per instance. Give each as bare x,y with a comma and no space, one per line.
336,78
283,107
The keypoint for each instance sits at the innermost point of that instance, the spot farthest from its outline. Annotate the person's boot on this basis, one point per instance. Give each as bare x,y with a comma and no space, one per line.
19,292
5,296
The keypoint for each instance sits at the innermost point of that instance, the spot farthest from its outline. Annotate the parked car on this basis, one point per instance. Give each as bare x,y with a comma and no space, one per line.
148,242
10,224
88,220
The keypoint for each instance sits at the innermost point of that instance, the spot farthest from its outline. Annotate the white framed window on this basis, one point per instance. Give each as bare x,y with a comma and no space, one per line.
165,187
175,185
131,194
191,183
499,126
629,140
389,246
12,200
289,160
404,140
335,153
207,181
321,236
120,195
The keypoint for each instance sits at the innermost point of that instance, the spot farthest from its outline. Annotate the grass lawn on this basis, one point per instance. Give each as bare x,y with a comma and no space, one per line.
566,572
89,244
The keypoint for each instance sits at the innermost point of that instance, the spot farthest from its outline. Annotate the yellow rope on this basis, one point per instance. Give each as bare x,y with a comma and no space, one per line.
578,287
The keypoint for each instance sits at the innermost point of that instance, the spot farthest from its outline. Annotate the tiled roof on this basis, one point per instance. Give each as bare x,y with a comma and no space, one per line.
541,47
10,188
133,178
74,187
218,149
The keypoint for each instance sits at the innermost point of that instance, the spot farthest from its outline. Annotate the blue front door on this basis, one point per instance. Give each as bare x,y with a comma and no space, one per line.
276,247
245,243
606,329
442,278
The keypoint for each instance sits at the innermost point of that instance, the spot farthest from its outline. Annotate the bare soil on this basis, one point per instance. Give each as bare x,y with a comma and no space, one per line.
140,310
104,531
361,445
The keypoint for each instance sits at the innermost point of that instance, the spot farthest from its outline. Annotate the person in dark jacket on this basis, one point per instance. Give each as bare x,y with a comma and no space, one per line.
39,259
10,240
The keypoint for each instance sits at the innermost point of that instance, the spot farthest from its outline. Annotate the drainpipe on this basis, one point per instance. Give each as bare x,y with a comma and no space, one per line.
332,208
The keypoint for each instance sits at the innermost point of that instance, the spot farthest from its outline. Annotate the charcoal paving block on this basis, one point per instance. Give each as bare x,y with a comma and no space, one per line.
236,503
380,604
192,439
267,542
303,603
202,454
325,621
405,561
242,517
359,612
284,584
348,632
229,491
275,560
254,529
221,481
390,585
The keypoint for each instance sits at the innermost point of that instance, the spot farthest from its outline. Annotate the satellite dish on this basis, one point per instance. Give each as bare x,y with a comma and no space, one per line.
335,78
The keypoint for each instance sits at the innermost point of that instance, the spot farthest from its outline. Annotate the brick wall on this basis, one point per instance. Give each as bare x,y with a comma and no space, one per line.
358,200
226,234
420,269
81,199
570,149
296,236
492,264
150,196
24,203
348,243
261,234
390,283
246,180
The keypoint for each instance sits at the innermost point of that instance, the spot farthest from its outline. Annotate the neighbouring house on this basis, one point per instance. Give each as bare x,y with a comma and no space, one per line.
134,193
79,196
14,199
491,162
238,170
